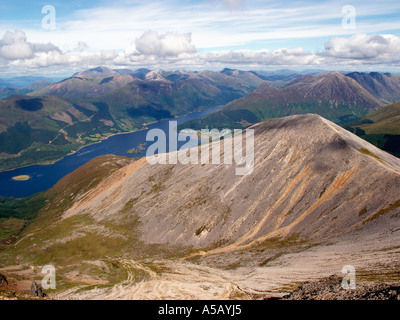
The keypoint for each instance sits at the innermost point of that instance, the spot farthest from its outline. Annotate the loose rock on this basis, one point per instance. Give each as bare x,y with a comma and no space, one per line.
331,289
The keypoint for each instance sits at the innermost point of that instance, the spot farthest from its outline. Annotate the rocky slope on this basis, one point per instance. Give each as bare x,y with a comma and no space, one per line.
318,198
331,289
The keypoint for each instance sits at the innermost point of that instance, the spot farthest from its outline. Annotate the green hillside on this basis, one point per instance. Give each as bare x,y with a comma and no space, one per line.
381,128
44,129
52,122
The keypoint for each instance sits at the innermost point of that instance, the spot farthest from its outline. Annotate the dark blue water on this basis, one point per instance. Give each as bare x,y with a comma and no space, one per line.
45,176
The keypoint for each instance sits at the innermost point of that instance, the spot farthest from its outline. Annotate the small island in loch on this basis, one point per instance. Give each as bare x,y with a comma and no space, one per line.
23,177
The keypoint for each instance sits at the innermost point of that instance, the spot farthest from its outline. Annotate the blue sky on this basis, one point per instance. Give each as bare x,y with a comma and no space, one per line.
202,34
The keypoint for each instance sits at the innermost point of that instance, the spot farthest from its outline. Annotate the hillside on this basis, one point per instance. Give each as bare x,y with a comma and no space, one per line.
167,94
383,86
382,128
100,81
37,85
331,95
47,124
81,86
44,129
318,198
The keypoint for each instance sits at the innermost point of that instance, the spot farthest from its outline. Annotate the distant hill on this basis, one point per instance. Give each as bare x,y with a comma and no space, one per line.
80,86
37,85
383,86
23,81
381,128
331,95
101,72
165,94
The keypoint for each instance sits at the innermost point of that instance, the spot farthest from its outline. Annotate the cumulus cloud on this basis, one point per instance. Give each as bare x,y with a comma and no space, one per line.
18,53
170,44
14,46
174,50
283,56
359,49
363,46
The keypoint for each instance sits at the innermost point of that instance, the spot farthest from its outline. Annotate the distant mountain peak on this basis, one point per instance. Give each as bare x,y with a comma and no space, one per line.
100,71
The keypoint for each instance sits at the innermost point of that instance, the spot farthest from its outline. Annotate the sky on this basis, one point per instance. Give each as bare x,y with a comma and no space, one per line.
57,38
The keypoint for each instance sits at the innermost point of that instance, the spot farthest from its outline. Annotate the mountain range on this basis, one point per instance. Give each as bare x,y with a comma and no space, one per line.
61,117
319,198
46,124
332,95
383,86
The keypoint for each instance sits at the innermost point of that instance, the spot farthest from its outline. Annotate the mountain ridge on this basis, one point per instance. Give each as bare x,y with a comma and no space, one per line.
383,86
331,95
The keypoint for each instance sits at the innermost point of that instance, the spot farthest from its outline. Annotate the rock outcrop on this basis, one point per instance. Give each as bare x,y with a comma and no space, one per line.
36,290
3,280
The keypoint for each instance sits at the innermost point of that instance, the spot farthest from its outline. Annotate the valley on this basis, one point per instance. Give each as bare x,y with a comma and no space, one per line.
47,124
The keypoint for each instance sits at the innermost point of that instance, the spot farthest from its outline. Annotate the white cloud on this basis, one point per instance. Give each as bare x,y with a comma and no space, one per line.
14,46
364,46
264,57
170,44
173,50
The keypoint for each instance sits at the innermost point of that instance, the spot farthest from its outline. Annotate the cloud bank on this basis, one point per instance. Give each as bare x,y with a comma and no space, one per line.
175,50
365,47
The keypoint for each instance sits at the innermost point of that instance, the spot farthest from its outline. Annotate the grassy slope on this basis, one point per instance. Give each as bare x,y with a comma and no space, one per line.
382,128
70,243
16,214
43,130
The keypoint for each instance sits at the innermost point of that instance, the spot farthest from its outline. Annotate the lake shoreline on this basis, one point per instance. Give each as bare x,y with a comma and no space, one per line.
50,162
145,127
